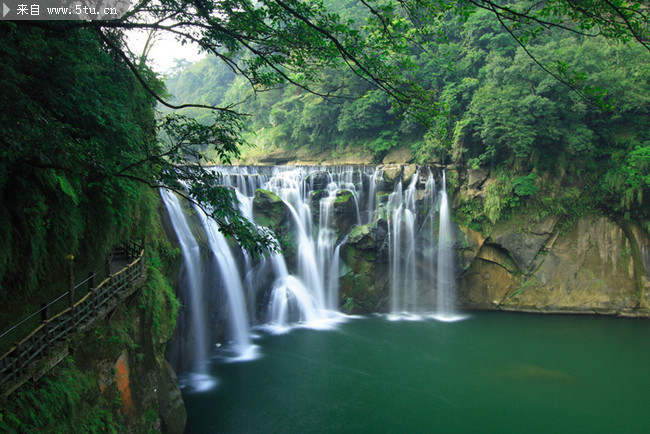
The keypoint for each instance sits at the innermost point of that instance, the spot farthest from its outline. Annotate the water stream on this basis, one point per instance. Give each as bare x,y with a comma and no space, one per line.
191,280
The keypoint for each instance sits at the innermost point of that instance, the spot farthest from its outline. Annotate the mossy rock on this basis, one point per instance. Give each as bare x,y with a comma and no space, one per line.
344,196
270,210
361,237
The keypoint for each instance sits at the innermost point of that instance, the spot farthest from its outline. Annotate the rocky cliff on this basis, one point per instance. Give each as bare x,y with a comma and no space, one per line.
114,379
536,264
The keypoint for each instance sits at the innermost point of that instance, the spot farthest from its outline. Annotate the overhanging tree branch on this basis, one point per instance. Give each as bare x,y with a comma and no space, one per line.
146,86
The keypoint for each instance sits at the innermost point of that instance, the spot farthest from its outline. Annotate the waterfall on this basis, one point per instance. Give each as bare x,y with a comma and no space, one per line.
232,283
402,231
372,197
421,256
311,296
431,249
279,293
291,301
191,278
445,293
327,251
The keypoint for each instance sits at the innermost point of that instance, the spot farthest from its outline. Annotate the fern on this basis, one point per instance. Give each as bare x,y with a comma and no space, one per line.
525,185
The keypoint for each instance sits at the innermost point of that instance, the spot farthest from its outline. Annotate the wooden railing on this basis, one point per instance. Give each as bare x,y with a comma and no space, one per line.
20,363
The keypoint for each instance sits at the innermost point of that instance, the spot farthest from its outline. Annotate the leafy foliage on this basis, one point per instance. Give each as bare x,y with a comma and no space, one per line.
555,87
525,185
64,128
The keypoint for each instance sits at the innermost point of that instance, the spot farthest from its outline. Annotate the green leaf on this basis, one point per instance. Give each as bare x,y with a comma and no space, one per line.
67,188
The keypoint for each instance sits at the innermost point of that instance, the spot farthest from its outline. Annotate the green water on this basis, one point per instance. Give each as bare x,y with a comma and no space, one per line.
493,372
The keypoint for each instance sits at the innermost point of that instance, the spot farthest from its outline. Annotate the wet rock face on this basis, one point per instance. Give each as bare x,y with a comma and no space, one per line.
364,278
318,180
270,210
535,268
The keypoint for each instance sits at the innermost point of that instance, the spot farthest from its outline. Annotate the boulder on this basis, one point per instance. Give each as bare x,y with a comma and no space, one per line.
408,173
391,173
270,210
476,178
318,180
400,155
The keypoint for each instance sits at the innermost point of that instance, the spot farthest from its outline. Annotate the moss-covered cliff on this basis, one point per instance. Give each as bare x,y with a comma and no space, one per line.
114,377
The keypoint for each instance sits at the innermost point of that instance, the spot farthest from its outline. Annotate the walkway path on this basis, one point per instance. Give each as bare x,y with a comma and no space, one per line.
47,345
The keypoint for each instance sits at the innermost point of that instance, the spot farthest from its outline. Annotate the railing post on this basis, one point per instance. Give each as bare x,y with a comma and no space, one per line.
70,259
45,312
19,358
91,287
91,281
143,266
108,266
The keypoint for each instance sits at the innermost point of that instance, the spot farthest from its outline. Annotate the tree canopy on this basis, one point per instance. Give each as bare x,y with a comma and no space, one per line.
78,122
550,91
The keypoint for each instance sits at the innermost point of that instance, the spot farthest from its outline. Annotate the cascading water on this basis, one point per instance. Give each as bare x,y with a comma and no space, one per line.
421,268
311,296
232,283
322,204
191,277
290,299
402,245
445,295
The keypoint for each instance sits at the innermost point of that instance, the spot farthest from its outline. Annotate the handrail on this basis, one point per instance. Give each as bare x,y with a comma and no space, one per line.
132,250
17,363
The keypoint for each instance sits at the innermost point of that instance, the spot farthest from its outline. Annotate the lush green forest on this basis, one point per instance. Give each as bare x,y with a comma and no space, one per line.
70,118
564,113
